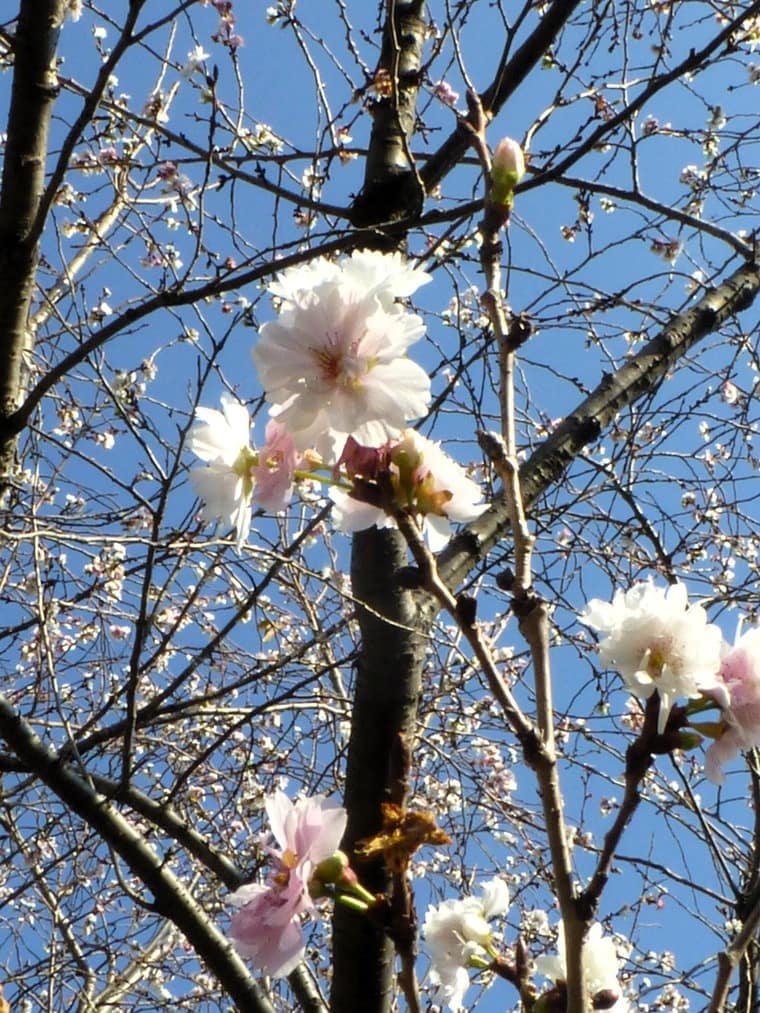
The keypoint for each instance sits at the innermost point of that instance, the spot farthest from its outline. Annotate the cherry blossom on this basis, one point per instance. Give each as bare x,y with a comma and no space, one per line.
195,60
446,93
738,692
656,641
425,480
225,484
278,461
388,276
266,928
334,362
601,965
235,474
458,936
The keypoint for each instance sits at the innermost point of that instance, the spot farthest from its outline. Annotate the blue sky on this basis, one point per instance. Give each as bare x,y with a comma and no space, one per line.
200,351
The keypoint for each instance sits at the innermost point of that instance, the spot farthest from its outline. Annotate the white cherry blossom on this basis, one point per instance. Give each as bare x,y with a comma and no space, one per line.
458,936
388,276
334,362
225,486
656,641
235,474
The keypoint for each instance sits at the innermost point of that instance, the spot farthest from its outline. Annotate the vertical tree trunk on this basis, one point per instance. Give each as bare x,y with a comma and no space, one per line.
386,696
32,97
389,669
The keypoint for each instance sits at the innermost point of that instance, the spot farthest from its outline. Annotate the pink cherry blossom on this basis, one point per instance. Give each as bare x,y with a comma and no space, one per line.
738,693
266,927
278,462
446,93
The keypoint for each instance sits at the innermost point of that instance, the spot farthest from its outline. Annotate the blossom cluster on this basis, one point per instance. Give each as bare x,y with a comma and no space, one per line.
341,390
459,938
658,642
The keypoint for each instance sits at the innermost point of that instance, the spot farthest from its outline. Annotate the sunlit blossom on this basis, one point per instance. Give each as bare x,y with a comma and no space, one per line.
387,276
266,928
656,641
458,936
195,60
225,484
235,474
334,362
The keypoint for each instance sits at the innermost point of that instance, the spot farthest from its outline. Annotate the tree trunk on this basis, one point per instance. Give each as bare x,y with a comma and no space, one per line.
23,182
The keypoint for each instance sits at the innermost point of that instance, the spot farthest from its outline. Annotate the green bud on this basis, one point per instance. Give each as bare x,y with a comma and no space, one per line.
330,870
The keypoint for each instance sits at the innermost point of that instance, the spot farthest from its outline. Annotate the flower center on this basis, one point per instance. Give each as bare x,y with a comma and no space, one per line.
288,860
338,363
242,465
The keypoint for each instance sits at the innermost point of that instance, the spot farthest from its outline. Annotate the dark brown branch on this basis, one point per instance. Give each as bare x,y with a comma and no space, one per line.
509,76
639,375
171,899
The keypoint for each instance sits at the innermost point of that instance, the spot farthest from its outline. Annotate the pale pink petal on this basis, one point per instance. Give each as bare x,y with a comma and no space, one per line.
274,475
334,362
266,930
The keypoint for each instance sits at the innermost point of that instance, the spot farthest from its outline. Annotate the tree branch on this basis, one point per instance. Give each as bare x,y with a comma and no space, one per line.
172,900
639,375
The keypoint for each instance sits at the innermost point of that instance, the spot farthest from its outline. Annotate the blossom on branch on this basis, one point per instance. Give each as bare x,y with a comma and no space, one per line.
738,693
424,480
225,485
601,966
458,936
656,641
266,928
334,362
235,474
278,461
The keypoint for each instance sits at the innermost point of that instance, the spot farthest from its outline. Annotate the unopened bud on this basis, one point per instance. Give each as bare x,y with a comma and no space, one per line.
329,870
507,169
605,999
